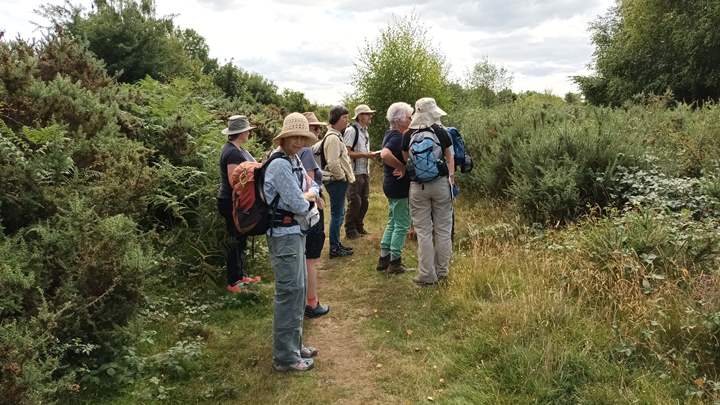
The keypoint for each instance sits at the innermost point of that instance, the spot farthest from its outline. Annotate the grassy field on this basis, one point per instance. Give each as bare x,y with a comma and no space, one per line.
508,327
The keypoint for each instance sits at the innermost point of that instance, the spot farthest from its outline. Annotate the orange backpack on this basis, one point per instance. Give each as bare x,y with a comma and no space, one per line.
251,213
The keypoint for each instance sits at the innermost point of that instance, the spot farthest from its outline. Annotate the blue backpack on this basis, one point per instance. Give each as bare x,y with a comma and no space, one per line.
426,159
462,158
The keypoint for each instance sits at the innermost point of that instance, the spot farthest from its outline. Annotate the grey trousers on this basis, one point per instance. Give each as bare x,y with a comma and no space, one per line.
431,210
287,259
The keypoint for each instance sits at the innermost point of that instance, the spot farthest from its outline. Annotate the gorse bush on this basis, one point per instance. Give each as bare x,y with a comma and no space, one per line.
553,161
91,270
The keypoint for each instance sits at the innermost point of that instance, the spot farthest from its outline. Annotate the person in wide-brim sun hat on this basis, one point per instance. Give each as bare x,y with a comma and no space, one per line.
237,124
295,124
426,114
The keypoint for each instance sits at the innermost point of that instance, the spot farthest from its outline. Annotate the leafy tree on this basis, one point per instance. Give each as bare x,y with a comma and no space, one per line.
401,65
572,98
131,39
197,48
645,47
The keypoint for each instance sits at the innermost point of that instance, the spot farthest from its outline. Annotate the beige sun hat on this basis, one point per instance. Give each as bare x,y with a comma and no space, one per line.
237,124
427,113
295,124
362,109
312,119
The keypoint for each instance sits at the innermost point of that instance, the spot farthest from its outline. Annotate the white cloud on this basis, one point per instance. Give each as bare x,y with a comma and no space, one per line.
311,45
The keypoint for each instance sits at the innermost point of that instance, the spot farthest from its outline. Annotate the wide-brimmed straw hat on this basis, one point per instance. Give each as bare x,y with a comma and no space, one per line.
237,124
295,124
362,109
427,113
312,119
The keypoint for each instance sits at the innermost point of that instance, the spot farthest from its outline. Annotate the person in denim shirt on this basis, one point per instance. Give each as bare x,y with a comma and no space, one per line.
292,195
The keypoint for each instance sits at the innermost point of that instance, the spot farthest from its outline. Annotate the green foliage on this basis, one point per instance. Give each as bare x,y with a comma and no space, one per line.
485,85
645,47
400,65
90,270
131,40
650,244
31,370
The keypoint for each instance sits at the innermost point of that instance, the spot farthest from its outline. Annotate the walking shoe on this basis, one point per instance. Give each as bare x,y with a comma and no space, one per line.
348,248
423,283
235,288
383,263
396,267
301,365
352,234
339,252
316,312
250,280
308,352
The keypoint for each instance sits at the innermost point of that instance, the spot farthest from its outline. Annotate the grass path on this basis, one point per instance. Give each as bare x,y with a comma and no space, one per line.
503,330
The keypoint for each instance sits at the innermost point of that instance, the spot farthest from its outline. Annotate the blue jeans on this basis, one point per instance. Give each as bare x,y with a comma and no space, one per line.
337,190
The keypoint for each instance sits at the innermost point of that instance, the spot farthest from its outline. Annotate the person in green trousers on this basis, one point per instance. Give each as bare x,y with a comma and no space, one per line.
396,187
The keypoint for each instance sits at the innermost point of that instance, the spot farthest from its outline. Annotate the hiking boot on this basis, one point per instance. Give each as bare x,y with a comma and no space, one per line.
308,352
423,283
396,267
301,365
236,288
339,252
316,312
383,263
353,234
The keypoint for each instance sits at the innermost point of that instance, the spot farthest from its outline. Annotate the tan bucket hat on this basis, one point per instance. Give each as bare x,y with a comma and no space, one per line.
312,119
427,113
237,124
295,124
362,109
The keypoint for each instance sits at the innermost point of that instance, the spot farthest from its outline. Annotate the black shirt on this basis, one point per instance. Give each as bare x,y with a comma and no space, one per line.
230,155
392,186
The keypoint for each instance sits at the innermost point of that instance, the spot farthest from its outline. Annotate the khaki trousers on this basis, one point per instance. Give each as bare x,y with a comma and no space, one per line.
432,216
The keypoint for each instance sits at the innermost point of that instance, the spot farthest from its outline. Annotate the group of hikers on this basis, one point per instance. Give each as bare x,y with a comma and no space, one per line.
312,157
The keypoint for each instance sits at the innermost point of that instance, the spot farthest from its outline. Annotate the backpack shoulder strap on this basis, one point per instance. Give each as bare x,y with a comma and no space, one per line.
356,127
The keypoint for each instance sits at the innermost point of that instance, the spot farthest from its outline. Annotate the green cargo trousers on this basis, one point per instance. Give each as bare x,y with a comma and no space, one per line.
397,226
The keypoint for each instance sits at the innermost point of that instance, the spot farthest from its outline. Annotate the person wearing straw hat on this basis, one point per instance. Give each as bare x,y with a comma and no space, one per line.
357,141
315,237
293,195
233,153
430,194
337,174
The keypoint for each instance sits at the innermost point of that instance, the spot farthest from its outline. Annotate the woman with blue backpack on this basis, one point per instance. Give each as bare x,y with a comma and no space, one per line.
428,150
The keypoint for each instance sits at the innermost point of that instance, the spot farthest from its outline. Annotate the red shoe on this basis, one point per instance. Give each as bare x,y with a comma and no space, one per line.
235,288
250,280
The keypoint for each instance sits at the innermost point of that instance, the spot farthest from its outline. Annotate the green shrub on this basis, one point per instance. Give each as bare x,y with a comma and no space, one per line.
31,371
649,244
559,172
90,269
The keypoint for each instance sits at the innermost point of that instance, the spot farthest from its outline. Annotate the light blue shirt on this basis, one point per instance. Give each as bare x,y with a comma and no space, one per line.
282,180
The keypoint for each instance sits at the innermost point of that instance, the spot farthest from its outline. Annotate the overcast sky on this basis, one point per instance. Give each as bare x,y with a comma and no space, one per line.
311,45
